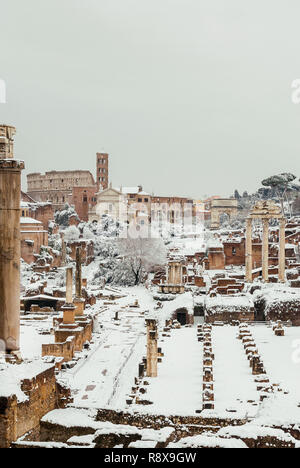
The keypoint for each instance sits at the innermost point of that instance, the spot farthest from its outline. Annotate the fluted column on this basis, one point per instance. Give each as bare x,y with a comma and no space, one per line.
249,250
10,252
265,250
281,257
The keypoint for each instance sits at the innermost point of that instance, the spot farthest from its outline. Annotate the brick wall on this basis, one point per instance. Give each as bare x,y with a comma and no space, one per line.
16,419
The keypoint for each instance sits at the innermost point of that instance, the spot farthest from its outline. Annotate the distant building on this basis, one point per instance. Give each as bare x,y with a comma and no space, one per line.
33,237
122,204
78,188
102,173
39,211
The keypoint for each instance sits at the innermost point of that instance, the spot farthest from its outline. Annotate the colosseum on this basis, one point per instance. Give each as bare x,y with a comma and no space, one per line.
57,186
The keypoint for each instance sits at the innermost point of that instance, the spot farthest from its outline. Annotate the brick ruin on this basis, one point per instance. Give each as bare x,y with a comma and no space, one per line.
42,394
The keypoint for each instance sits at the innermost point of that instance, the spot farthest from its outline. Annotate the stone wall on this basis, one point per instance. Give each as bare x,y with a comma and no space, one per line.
159,421
82,199
33,236
216,258
65,350
229,317
57,186
16,419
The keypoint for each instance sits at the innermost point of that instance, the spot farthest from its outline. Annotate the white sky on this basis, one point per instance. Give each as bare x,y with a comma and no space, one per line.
189,97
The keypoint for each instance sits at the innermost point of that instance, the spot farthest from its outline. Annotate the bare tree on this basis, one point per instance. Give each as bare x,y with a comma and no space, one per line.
143,255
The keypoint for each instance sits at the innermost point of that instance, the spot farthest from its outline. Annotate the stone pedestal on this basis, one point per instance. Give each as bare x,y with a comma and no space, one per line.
79,304
69,314
10,192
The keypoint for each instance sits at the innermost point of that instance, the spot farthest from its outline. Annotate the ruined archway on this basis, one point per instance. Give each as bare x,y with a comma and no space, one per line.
221,206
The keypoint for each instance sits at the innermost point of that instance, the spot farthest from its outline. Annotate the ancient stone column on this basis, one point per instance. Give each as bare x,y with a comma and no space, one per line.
180,274
78,301
63,250
10,248
78,275
69,308
281,257
171,275
152,352
265,250
249,250
69,285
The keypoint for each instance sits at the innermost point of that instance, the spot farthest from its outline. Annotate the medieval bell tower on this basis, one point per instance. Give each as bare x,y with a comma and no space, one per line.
102,174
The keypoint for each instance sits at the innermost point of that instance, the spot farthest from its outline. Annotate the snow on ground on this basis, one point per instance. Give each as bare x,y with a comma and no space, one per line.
94,382
32,335
281,358
234,384
107,375
104,376
178,388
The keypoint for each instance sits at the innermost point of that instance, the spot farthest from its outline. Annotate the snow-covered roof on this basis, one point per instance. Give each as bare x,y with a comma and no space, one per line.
214,243
230,303
29,221
144,193
42,297
277,295
131,190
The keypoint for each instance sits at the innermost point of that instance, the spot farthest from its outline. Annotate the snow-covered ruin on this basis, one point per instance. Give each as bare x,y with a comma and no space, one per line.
186,340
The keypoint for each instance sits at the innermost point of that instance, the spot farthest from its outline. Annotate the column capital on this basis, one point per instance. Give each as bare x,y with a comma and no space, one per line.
12,164
265,222
282,222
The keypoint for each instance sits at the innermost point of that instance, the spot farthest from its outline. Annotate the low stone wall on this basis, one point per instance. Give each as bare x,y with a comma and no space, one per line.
159,421
81,334
65,350
229,317
16,419
287,310
58,433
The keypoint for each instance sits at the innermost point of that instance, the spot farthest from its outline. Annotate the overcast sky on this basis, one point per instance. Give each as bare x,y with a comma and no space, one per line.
189,97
